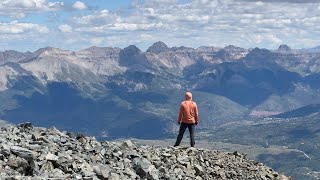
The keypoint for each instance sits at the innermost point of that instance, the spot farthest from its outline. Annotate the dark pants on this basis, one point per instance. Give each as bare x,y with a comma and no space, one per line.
182,129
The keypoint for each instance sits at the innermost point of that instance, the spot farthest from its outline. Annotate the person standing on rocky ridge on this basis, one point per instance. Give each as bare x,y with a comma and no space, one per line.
188,114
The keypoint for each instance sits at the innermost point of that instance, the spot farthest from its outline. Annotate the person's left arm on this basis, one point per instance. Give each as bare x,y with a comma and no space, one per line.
196,117
180,114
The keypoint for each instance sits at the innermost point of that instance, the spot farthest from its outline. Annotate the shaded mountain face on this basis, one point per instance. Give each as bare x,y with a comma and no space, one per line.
12,56
63,106
249,86
113,92
96,53
158,47
284,48
313,80
248,82
311,50
301,112
300,61
231,53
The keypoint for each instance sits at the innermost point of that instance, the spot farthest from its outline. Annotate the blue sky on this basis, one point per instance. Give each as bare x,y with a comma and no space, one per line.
26,25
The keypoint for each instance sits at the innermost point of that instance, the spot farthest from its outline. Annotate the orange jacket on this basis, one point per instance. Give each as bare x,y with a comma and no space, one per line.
188,112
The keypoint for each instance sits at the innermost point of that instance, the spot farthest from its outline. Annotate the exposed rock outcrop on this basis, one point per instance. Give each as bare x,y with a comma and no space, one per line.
28,152
158,47
284,48
12,56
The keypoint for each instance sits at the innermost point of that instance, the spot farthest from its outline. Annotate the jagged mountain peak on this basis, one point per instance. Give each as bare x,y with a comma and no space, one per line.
132,55
10,51
48,48
257,50
259,57
51,51
182,48
231,52
284,48
158,47
97,51
258,54
93,48
131,50
14,52
208,49
314,50
12,56
232,47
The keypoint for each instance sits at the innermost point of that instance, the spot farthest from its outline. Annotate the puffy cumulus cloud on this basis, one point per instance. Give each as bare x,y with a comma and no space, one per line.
265,38
98,18
19,8
149,15
154,3
22,28
245,23
41,5
65,28
120,27
79,5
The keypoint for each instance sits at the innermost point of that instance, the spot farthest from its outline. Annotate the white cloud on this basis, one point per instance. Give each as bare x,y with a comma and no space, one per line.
19,8
203,22
79,5
97,18
40,5
97,41
274,39
65,28
19,28
245,23
19,15
266,38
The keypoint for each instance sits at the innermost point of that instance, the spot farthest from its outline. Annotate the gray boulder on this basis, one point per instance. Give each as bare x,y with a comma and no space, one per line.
22,152
145,169
28,152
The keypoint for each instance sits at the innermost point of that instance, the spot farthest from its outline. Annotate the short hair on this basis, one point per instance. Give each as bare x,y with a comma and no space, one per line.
188,94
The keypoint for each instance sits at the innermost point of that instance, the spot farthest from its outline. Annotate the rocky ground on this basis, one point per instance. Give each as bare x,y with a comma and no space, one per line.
28,152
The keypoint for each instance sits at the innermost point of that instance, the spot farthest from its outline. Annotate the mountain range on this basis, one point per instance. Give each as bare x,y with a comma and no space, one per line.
112,92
